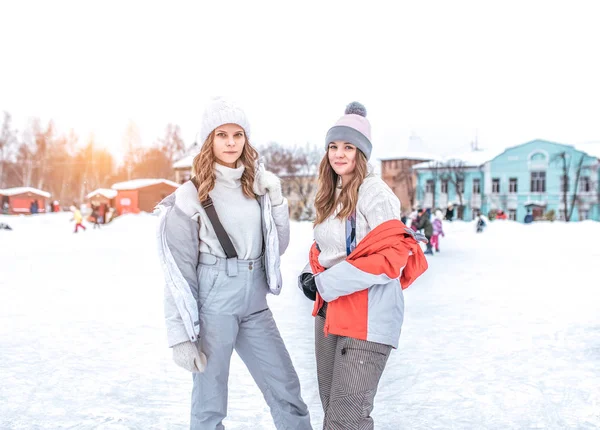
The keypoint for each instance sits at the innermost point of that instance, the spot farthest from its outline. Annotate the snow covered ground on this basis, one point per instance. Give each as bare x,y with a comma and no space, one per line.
503,332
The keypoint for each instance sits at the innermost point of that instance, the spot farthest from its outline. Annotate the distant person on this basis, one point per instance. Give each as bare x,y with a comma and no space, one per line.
480,223
5,207
438,231
424,223
450,212
528,218
95,215
78,218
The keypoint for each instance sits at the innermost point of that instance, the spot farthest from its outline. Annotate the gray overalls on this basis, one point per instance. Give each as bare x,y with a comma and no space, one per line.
234,315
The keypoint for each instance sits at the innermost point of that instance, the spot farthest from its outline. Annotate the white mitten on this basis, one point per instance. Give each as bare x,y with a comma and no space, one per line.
267,182
188,356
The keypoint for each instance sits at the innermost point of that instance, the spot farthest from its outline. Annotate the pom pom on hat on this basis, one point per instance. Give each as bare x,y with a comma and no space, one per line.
356,108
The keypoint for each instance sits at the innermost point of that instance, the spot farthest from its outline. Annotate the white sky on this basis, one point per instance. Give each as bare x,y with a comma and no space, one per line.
514,71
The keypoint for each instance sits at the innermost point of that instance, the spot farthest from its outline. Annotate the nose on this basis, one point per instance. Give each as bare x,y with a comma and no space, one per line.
230,141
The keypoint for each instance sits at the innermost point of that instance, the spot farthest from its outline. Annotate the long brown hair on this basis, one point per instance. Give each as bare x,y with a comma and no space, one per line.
203,168
325,202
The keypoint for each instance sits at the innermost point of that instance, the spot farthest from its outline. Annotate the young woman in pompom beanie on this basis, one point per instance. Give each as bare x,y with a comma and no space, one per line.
215,297
362,258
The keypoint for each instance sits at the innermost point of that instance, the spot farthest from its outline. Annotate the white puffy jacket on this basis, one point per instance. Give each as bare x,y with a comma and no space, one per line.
178,248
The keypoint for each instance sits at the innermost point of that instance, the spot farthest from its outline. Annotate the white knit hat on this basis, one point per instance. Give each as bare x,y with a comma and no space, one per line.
221,111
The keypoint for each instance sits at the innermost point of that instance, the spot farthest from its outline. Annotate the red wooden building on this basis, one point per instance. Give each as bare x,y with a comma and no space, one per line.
20,200
141,195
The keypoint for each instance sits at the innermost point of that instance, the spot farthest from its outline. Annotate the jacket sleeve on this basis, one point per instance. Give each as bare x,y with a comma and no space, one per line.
281,216
178,251
349,277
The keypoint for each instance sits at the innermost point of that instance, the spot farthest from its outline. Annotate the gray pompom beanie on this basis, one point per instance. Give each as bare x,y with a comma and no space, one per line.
353,128
221,111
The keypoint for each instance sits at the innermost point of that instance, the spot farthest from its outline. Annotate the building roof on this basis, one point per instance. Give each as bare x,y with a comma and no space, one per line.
184,163
141,183
468,159
23,190
105,192
424,156
590,148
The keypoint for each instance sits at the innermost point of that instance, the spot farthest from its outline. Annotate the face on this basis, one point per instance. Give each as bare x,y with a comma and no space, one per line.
342,158
228,144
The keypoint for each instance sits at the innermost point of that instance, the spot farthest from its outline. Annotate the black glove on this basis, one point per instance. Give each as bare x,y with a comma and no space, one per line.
307,280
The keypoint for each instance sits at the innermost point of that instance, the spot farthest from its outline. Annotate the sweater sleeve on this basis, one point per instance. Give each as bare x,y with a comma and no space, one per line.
378,203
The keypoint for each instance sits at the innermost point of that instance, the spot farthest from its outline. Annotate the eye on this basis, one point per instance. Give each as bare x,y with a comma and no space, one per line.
349,147
239,134
332,146
221,134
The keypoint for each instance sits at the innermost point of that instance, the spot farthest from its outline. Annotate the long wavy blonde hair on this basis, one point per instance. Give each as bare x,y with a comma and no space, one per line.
203,168
325,202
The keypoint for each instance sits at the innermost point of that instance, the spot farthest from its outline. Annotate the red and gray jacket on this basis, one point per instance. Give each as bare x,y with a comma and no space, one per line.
364,292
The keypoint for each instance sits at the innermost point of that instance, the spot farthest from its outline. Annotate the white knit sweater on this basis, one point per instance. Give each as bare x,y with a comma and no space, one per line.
376,204
239,215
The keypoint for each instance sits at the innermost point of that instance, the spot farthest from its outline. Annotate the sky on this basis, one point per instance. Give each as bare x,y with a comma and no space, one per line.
506,72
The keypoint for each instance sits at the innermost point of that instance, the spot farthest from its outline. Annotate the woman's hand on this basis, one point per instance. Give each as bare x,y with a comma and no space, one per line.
188,356
267,182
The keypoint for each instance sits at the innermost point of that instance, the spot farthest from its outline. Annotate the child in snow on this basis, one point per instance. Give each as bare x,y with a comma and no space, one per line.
358,217
219,274
437,231
480,223
78,218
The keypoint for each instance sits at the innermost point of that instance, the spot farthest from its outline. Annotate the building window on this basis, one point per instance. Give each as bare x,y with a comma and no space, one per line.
564,183
583,215
512,185
512,214
585,184
444,187
429,186
538,182
538,157
461,186
496,186
476,186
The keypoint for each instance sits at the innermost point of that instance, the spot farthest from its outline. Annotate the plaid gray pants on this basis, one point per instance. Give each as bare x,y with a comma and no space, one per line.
348,371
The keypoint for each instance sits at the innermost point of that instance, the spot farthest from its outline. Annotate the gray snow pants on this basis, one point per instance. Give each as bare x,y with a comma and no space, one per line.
348,371
234,315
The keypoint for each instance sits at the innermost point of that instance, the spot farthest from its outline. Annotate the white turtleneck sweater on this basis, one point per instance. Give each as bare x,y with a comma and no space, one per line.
239,215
